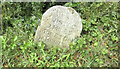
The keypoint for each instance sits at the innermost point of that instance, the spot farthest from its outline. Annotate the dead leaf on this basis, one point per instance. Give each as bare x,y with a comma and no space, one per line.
5,65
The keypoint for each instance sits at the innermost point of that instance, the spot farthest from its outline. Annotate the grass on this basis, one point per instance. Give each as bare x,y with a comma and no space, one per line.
97,46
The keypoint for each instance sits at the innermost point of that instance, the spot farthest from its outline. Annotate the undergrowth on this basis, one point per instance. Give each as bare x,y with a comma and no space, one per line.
97,46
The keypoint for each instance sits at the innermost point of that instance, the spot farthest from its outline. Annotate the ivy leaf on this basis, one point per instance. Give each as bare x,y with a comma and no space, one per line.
96,44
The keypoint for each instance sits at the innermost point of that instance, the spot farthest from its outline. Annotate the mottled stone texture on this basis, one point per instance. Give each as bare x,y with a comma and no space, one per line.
59,26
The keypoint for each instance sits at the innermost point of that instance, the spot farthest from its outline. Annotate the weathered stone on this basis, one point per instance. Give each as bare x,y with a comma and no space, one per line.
59,26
